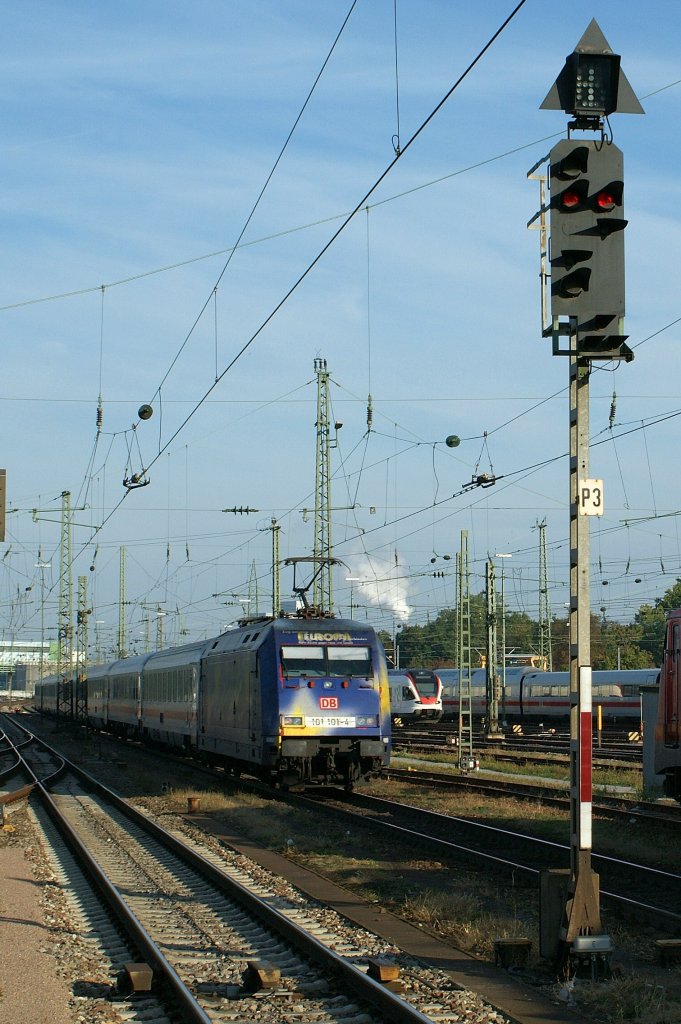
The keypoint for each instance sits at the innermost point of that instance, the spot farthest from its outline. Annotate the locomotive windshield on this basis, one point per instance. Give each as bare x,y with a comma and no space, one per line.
427,687
303,661
325,661
349,661
426,682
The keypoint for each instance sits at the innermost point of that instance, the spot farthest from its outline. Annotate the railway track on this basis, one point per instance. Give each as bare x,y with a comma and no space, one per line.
199,922
607,739
532,752
651,894
415,834
540,792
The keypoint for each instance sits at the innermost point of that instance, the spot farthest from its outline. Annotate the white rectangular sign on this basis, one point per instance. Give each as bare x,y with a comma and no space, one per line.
330,721
590,498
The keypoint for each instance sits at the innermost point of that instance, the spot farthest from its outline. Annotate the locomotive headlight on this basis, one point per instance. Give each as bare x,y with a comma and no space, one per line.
291,719
371,720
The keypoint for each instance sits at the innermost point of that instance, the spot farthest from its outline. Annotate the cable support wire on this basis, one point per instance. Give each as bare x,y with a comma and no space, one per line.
259,197
312,224
526,470
396,137
277,234
362,202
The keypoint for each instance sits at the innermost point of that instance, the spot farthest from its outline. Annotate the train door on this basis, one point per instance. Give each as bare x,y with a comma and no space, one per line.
672,663
254,705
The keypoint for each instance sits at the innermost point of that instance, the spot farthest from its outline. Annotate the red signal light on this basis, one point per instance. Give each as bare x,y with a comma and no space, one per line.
570,198
605,200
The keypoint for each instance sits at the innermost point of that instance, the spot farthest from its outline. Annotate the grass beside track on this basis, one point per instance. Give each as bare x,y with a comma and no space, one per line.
559,771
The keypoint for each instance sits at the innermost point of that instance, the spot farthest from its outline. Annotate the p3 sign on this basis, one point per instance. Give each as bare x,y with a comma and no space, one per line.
590,498
328,703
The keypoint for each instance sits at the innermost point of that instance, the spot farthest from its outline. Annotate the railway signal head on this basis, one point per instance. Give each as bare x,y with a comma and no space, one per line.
587,244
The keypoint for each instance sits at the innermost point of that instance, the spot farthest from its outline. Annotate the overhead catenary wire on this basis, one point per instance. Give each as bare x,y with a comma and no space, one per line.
362,202
216,362
260,195
636,428
396,137
130,279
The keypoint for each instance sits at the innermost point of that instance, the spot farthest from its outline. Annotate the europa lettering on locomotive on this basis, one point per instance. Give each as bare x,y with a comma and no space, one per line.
324,638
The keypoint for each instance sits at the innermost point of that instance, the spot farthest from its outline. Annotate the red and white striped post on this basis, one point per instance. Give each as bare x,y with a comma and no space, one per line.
581,933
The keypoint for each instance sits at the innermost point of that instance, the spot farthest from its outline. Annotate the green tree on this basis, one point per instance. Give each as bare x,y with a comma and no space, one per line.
620,647
652,618
435,644
637,644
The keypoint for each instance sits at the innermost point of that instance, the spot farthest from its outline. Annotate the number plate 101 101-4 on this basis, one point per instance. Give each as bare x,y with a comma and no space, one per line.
330,721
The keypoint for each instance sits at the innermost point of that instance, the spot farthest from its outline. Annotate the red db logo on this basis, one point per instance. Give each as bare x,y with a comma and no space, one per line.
328,703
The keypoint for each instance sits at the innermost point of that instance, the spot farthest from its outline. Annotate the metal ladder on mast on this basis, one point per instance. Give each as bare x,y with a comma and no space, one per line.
463,633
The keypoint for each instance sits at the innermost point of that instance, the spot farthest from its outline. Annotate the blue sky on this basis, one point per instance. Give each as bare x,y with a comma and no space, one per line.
137,138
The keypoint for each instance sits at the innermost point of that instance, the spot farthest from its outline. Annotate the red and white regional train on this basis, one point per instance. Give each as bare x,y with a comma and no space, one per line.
532,698
667,728
415,695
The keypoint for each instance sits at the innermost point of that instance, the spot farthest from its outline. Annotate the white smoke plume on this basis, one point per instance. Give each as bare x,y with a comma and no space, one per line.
383,583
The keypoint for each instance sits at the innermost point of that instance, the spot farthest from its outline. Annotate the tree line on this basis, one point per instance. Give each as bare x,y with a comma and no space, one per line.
637,644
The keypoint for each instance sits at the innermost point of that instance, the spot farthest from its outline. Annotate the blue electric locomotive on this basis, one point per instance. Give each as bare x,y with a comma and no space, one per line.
294,701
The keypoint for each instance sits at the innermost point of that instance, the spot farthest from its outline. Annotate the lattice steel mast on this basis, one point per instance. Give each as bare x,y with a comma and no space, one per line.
65,628
122,653
322,592
544,603
81,649
276,569
463,653
253,595
493,681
